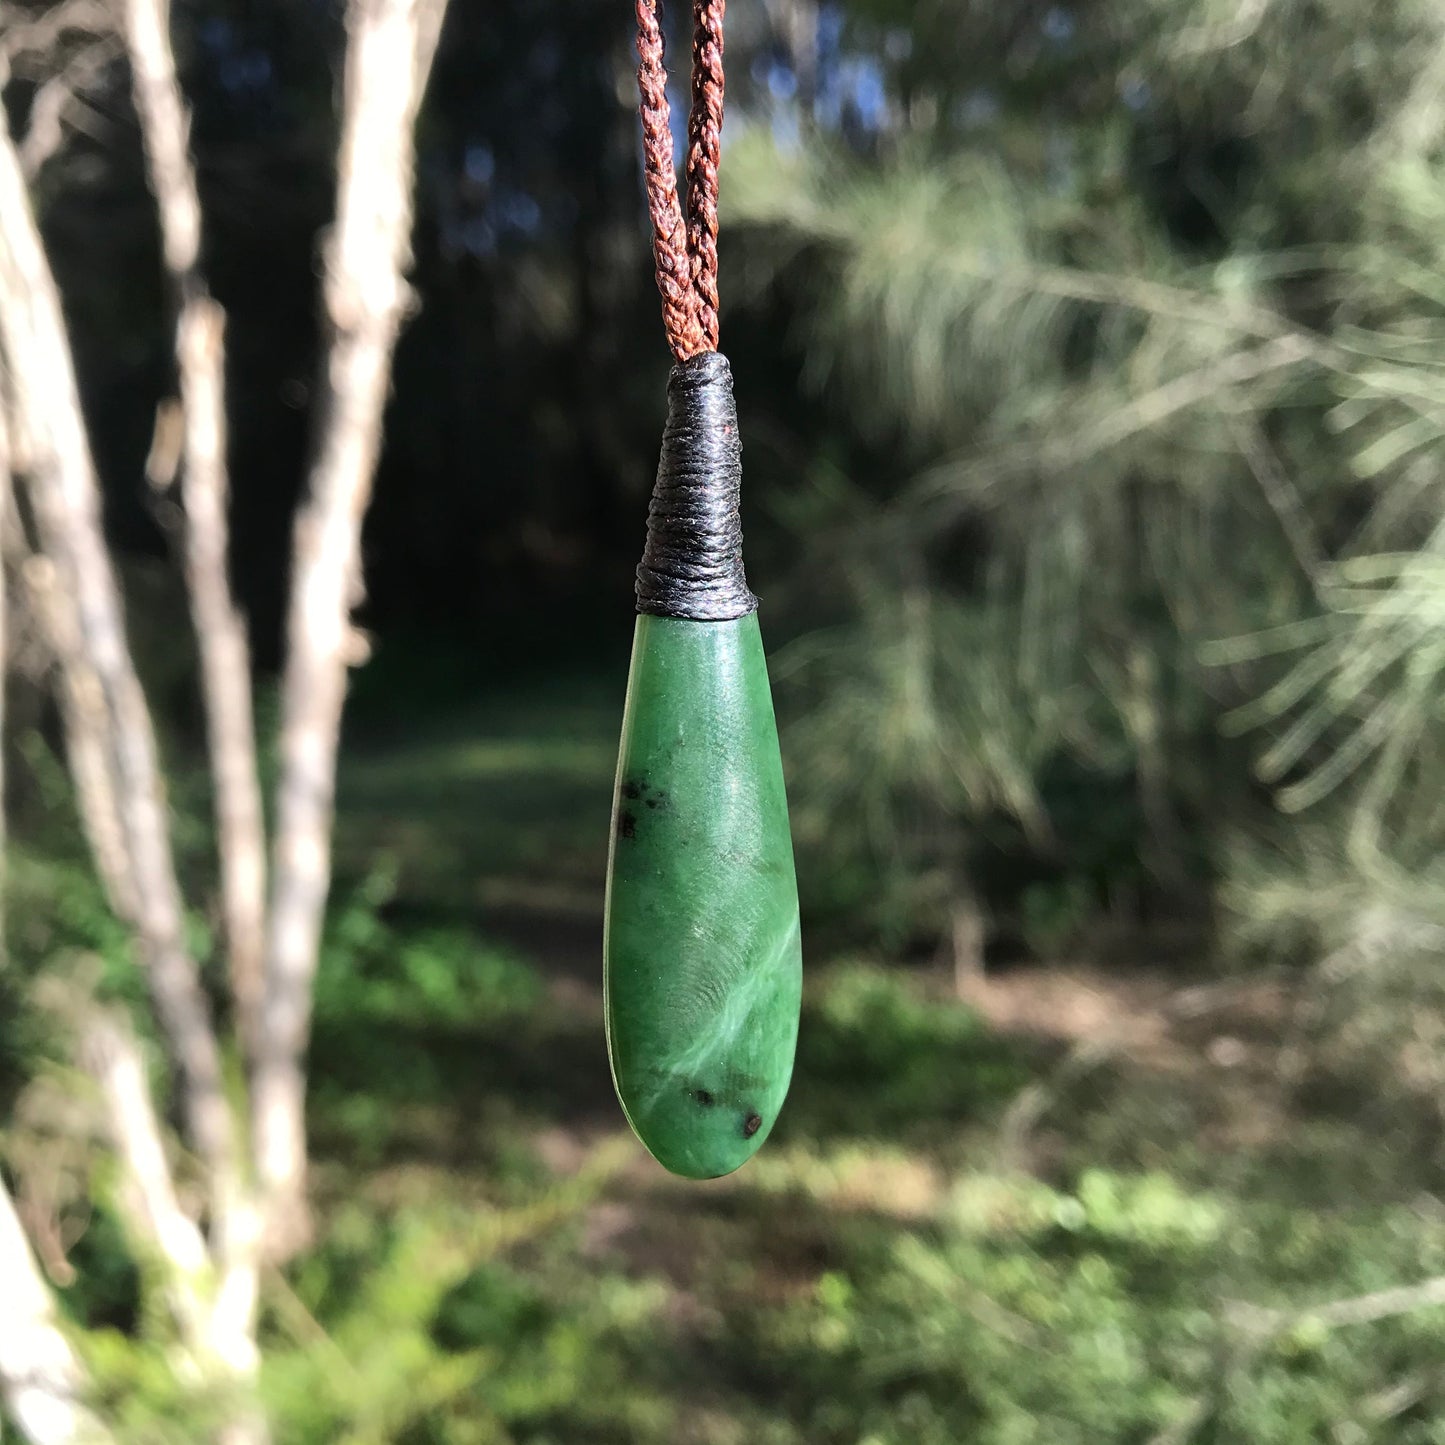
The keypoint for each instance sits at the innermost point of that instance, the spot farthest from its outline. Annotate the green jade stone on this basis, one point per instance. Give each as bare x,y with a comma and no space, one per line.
703,962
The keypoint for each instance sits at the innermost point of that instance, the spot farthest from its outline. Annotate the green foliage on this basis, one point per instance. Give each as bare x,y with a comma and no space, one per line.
441,1344
139,1388
370,970
1092,1314
1057,537
1054,916
876,1060
1147,430
1108,1302
876,1275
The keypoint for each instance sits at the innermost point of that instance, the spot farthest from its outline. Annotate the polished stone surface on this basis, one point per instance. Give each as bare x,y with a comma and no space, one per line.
703,962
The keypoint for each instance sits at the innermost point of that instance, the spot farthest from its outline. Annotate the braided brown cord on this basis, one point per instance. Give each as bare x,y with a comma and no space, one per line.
704,143
684,248
669,233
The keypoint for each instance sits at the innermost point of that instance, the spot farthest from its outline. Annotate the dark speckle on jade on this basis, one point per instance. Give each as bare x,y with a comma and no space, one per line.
703,962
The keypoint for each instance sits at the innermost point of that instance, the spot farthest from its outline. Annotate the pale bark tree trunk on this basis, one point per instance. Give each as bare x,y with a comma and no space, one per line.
220,631
159,1230
6,522
77,691
41,1379
78,694
389,54
65,498
209,1284
212,1297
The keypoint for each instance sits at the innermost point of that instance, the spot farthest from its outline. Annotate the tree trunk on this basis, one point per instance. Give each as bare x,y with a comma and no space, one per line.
387,60
220,633
41,1378
211,1294
65,498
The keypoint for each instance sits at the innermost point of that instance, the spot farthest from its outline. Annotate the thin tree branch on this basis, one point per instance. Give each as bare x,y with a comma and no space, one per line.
1140,414
212,1302
43,33
78,694
1284,501
388,57
1251,1327
6,523
41,1378
158,1226
58,97
1364,1309
65,498
220,631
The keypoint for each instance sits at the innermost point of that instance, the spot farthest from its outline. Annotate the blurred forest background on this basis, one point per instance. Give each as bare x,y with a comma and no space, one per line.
1091,366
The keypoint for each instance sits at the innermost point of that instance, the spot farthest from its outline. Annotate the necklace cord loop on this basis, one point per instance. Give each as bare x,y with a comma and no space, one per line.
684,241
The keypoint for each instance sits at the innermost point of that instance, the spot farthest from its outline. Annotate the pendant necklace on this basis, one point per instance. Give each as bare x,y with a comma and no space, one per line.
702,960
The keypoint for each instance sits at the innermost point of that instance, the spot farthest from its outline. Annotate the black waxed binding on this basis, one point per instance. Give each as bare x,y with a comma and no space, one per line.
693,563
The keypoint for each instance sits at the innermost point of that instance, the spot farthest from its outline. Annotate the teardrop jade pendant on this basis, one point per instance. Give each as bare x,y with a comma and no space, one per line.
703,963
